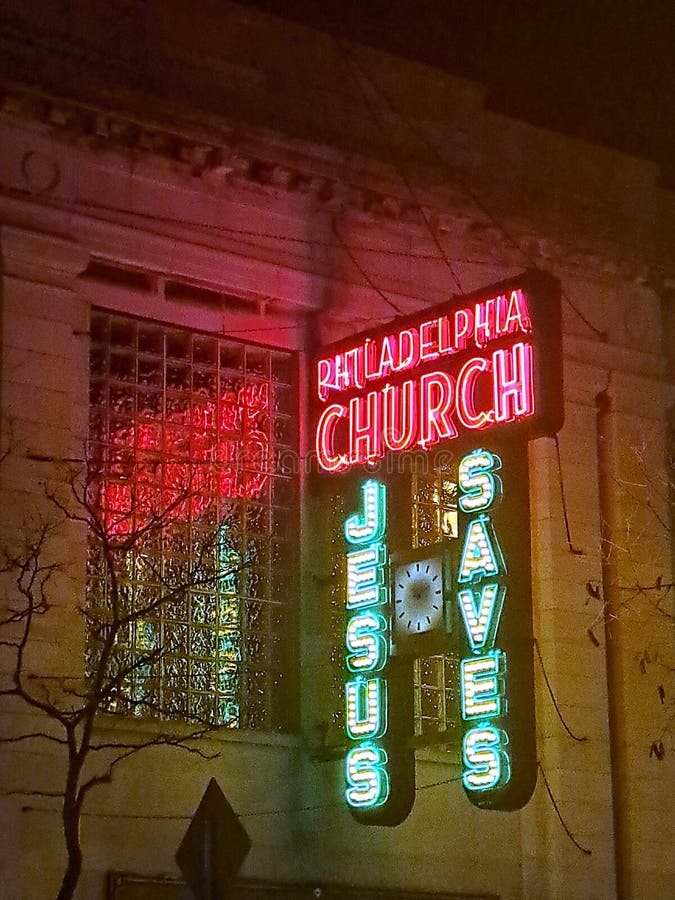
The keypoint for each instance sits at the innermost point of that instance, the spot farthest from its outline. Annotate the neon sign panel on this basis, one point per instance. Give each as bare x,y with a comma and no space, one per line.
367,643
480,598
492,588
487,361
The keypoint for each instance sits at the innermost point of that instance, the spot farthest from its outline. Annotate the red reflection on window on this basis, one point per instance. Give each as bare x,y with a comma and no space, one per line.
177,466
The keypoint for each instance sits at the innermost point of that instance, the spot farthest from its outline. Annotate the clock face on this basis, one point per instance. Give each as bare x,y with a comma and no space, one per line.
418,597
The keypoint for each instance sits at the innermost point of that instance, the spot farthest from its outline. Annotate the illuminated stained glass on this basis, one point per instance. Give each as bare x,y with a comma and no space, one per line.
188,430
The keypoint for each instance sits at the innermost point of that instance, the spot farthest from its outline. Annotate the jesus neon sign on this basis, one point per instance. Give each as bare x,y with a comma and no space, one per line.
379,766
488,361
367,642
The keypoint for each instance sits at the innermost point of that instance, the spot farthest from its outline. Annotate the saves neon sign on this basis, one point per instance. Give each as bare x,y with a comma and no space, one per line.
493,612
489,360
480,579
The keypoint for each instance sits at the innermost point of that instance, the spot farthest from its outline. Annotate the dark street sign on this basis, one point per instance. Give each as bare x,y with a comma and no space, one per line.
214,846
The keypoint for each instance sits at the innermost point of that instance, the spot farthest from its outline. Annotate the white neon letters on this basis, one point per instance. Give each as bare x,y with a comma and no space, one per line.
365,576
486,762
366,707
481,688
367,778
367,646
367,643
372,524
481,610
477,480
480,598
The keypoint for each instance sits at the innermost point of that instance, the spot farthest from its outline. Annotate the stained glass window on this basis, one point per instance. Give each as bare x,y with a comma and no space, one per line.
434,513
189,440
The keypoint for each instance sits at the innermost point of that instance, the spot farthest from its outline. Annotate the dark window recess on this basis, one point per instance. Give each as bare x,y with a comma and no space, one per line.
183,292
118,275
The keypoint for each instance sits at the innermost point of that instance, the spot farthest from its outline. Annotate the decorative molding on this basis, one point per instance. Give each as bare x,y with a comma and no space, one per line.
41,257
227,161
235,160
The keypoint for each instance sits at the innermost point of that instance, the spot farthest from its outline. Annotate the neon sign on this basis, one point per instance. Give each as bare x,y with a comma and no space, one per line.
489,361
368,646
482,675
492,584
379,773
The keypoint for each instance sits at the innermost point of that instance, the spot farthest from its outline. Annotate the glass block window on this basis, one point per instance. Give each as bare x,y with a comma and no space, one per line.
188,439
434,519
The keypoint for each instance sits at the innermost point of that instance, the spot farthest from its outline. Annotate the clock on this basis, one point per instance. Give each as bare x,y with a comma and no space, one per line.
418,592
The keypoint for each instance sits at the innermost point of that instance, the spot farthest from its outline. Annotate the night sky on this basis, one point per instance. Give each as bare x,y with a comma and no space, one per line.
596,69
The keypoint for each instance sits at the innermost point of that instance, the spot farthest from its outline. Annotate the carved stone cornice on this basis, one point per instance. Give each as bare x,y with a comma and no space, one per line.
191,152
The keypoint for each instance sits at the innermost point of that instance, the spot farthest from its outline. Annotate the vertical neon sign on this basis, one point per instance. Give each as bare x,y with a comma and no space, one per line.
378,693
480,597
493,603
367,642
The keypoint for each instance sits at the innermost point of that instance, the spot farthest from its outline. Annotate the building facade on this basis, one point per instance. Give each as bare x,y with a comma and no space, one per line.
196,207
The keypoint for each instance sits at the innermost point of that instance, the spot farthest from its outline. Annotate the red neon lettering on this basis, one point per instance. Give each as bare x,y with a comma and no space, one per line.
445,344
513,383
386,357
517,314
502,307
325,372
466,394
365,434
484,322
408,350
428,341
349,369
370,359
463,327
401,416
436,400
325,439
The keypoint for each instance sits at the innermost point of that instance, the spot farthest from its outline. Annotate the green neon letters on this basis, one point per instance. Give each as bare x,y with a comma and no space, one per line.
486,762
367,778
481,556
480,599
479,484
481,610
367,642
367,646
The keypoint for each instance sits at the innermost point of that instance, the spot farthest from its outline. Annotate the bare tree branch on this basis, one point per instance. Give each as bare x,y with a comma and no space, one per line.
76,709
